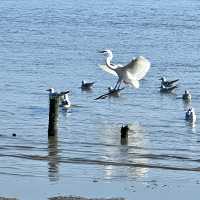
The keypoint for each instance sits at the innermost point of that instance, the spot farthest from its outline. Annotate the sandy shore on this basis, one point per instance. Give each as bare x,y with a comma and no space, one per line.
81,198
68,198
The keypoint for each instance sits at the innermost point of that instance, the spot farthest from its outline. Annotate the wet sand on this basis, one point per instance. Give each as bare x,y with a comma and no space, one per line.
81,198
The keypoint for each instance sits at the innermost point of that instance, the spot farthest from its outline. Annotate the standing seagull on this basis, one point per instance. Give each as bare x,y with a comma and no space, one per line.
130,73
166,83
52,92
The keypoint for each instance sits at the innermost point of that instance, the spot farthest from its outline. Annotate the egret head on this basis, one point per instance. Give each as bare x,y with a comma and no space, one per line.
106,52
51,90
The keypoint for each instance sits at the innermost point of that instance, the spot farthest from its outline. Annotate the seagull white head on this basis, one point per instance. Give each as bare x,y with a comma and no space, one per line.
163,79
187,92
51,90
83,82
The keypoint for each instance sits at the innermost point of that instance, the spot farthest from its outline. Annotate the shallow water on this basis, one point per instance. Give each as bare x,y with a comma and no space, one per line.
54,44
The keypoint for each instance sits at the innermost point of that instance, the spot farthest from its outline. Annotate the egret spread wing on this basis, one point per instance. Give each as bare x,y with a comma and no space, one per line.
138,67
105,68
131,80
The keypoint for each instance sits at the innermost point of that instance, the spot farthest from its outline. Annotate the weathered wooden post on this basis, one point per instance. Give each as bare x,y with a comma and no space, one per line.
124,134
53,114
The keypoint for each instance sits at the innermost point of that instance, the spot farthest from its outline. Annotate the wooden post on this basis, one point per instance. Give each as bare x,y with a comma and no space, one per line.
53,115
124,134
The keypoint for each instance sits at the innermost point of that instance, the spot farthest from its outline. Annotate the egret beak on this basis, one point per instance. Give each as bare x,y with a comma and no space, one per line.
101,51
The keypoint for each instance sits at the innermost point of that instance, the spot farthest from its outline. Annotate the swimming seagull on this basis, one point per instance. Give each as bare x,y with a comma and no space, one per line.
130,73
190,115
187,96
167,83
86,86
164,89
66,102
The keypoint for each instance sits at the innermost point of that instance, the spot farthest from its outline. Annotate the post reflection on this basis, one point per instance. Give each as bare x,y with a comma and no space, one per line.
53,170
126,154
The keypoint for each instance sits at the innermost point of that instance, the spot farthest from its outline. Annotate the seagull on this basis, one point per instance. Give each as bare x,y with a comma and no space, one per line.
86,86
52,93
167,83
190,115
62,95
66,102
131,73
187,96
164,89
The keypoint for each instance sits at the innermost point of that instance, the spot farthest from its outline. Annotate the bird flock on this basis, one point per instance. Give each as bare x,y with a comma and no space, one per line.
129,74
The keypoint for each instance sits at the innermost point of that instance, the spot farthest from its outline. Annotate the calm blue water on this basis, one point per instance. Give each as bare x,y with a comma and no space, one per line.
54,44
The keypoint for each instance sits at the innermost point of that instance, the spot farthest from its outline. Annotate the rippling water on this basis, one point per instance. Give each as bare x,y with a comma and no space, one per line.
54,44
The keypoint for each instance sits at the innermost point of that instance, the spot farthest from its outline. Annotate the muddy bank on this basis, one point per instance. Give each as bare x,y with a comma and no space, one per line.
82,198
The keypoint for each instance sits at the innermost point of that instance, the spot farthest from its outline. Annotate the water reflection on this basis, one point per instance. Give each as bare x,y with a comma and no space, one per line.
186,105
53,163
131,152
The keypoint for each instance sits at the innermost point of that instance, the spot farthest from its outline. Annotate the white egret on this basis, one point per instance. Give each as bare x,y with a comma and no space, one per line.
130,73
166,83
187,96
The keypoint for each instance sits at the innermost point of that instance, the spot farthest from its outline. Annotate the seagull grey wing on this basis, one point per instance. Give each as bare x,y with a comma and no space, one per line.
105,68
138,67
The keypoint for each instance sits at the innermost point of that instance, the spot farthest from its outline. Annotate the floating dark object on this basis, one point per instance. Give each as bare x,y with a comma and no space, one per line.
14,135
124,131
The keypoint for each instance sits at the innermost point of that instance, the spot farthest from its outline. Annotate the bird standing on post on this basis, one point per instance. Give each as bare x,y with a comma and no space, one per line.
130,73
